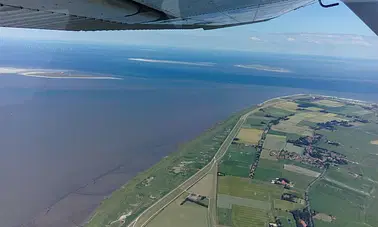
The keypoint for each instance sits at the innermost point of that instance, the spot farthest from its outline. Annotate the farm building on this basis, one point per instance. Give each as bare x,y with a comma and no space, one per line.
283,181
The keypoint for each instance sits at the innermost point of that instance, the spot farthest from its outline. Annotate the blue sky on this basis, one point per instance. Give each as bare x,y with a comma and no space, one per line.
312,19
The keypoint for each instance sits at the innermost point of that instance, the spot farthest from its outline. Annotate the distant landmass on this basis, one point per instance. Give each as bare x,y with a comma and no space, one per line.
264,68
54,74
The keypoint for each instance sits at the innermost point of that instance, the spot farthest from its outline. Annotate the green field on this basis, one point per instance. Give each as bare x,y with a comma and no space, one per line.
258,122
286,218
348,192
346,205
227,201
274,142
300,181
289,136
247,216
345,176
237,160
246,188
224,216
292,148
268,170
286,205
274,112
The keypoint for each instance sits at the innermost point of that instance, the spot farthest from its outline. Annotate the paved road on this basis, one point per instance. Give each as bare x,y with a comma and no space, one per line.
311,224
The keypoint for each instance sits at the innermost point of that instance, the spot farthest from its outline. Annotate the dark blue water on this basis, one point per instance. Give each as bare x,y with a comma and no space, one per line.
59,136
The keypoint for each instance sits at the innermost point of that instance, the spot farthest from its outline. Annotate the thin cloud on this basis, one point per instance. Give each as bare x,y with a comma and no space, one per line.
254,38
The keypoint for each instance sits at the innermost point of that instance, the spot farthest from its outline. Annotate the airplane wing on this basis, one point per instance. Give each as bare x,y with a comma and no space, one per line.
89,15
140,14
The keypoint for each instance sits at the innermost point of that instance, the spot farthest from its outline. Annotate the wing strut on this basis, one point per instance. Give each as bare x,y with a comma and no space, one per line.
328,5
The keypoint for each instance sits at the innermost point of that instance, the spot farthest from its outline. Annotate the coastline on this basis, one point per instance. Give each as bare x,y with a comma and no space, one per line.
53,74
140,177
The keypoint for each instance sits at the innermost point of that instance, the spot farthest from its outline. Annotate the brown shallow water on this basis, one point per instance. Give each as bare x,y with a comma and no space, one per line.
65,145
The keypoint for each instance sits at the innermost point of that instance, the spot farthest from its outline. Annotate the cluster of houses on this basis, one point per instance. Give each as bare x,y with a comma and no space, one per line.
283,181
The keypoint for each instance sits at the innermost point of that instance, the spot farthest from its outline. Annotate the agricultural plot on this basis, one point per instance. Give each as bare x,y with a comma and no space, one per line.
324,117
288,127
249,135
237,160
301,116
329,103
224,216
204,186
346,205
355,144
288,106
268,154
244,187
286,218
258,122
289,136
247,216
350,179
286,205
292,148
274,142
301,170
273,112
314,109
185,215
268,170
227,201
300,181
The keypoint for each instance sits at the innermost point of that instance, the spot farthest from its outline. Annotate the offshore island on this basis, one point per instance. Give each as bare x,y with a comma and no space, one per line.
300,160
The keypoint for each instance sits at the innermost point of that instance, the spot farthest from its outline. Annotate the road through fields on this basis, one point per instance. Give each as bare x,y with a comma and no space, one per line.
145,217
153,210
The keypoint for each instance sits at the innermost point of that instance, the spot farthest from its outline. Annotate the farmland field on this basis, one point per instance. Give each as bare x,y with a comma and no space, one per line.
247,216
237,160
265,154
286,218
204,186
286,205
301,170
289,106
333,162
345,205
258,122
345,191
268,170
292,148
293,128
227,201
274,112
186,215
329,103
274,142
249,135
300,181
224,216
244,187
